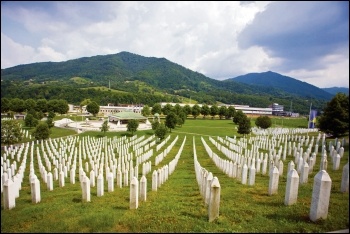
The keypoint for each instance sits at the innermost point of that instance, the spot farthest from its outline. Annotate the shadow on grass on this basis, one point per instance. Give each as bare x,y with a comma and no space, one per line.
128,134
77,200
100,136
121,208
195,216
290,217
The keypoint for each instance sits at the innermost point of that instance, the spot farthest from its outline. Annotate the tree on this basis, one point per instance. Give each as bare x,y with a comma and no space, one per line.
177,109
171,120
93,108
335,117
132,126
214,110
30,121
62,106
105,127
157,108
41,105
179,121
205,110
30,104
33,113
52,105
17,105
161,131
223,111
155,124
85,102
167,109
51,114
146,111
231,111
239,115
50,122
5,105
244,125
41,131
196,110
183,116
263,122
11,132
187,109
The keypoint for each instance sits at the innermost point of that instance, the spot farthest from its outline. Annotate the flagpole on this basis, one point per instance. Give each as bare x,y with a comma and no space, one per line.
308,124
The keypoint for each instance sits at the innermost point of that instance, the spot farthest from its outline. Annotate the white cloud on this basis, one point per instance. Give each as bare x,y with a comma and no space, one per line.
201,36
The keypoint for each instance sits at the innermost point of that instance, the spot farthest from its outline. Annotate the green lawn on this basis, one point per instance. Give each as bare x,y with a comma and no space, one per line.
177,206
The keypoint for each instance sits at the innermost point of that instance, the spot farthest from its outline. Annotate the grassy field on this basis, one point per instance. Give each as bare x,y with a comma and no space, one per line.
177,206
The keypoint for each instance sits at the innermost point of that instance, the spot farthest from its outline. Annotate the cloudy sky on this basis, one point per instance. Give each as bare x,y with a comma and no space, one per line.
308,41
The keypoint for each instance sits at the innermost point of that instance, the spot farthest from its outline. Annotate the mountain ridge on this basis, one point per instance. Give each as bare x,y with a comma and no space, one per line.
145,79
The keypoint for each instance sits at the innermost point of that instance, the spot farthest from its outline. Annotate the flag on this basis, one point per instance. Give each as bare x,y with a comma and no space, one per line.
312,118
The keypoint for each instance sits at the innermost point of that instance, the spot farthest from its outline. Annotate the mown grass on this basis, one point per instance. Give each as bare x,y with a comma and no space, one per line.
177,206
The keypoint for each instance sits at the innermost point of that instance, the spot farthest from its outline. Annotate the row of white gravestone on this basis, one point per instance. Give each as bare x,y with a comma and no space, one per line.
320,193
159,158
11,190
209,187
304,170
161,144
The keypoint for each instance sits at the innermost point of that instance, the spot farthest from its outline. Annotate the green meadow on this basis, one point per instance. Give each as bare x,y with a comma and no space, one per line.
177,205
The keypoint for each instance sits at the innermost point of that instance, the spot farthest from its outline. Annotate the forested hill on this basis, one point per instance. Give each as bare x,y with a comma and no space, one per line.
335,90
285,83
130,78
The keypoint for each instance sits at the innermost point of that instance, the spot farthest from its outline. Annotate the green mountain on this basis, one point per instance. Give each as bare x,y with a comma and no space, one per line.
335,90
130,78
285,83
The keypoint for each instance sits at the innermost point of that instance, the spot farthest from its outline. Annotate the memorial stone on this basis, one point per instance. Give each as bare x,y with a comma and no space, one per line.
143,188
8,195
344,188
134,197
292,187
214,200
273,181
320,196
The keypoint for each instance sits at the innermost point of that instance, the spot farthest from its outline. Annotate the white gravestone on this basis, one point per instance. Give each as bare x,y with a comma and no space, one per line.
320,196
344,188
134,196
143,188
273,182
292,188
214,200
